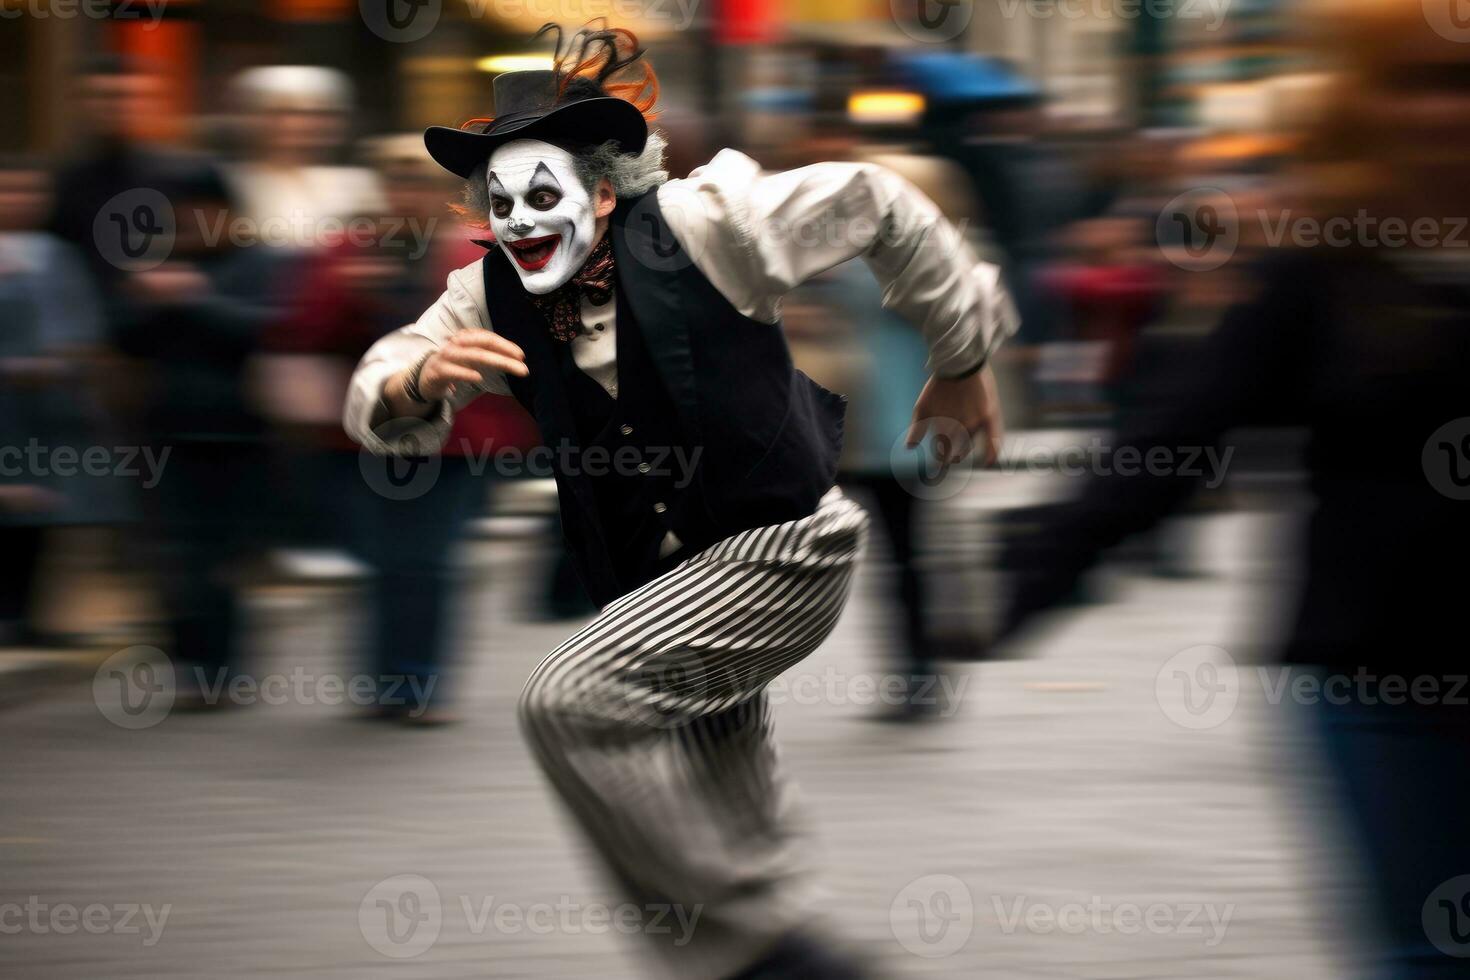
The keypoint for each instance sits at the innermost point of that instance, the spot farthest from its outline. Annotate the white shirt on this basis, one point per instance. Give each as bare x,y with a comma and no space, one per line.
755,236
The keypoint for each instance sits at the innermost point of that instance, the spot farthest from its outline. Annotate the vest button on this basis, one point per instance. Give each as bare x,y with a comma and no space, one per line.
660,507
644,467
626,430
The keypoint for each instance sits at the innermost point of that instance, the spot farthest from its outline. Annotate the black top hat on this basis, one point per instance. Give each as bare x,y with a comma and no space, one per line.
527,106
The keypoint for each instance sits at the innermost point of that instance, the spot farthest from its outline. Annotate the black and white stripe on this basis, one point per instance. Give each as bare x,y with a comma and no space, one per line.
653,725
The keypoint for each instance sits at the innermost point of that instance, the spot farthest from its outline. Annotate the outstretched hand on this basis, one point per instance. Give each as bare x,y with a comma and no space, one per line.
947,406
469,357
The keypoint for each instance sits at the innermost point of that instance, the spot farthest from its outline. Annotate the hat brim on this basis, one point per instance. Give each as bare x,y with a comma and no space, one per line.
588,122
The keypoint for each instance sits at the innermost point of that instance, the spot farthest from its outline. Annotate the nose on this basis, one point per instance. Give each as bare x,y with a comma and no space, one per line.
519,224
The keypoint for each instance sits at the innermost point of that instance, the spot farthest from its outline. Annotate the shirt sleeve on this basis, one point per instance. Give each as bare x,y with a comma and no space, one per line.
756,236
460,307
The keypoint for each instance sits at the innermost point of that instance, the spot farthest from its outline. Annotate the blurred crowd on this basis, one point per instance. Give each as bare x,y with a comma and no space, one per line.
190,316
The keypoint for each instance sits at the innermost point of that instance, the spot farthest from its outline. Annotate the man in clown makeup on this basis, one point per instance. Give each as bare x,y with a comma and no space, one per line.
638,319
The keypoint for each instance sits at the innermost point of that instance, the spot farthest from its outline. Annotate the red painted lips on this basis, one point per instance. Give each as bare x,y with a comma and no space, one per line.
533,253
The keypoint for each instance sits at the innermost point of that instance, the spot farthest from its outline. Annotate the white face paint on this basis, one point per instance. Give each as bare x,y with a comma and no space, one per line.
542,216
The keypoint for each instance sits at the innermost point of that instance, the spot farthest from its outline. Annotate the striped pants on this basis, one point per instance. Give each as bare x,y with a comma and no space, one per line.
653,725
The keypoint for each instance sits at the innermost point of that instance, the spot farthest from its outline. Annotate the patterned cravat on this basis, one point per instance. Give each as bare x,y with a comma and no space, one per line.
562,307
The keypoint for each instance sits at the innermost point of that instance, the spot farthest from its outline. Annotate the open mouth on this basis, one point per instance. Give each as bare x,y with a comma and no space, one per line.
533,253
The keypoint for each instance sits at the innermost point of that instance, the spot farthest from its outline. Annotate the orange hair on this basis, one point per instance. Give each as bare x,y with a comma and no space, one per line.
592,58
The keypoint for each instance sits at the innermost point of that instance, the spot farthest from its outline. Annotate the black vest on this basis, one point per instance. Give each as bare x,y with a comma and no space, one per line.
713,431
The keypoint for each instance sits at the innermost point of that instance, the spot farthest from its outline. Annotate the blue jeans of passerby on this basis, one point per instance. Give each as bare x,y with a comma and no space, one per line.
1399,772
407,533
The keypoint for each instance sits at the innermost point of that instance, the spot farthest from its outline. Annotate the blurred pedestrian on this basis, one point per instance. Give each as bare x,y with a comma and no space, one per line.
191,326
115,96
1363,340
297,191
52,331
382,272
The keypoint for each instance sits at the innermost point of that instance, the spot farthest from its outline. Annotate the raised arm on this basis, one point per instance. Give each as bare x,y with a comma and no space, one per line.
759,235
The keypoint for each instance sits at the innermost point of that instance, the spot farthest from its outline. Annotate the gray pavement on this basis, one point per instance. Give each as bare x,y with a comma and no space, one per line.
1065,822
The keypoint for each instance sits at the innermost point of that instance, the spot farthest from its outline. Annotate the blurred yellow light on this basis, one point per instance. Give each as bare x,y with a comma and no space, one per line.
884,107
497,63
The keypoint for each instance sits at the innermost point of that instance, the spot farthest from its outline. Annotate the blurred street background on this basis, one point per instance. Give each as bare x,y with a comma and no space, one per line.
1059,782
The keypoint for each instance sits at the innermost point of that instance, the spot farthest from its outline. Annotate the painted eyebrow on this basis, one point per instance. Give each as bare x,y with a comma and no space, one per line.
496,187
544,178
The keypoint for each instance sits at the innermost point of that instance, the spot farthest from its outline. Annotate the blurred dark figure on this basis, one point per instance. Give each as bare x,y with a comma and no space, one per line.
1027,192
116,96
51,326
1111,287
192,325
402,517
1365,344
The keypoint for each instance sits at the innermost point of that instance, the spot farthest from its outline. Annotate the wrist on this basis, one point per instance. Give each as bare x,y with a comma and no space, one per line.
412,380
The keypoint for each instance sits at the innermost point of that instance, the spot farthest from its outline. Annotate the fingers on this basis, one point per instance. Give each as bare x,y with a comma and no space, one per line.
457,372
483,361
995,431
486,351
487,340
917,430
